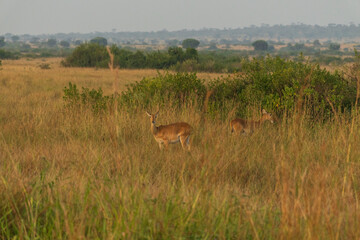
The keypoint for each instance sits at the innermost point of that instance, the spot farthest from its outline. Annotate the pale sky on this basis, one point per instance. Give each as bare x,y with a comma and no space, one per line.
85,16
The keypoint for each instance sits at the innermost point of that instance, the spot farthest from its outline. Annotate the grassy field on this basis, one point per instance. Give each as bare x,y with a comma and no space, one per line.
69,174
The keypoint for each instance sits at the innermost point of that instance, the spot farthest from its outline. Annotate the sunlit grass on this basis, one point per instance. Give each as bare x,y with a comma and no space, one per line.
67,174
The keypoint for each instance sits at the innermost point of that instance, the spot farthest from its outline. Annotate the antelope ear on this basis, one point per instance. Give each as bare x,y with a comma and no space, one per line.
148,113
264,111
157,113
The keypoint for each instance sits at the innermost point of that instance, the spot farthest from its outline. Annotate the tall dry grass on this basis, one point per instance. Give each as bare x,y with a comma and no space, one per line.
64,175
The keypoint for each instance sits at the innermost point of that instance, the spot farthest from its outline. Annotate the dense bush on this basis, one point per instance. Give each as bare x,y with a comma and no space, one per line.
95,55
276,84
260,45
177,59
65,44
190,43
158,60
2,41
326,60
94,99
7,54
210,61
176,89
87,55
51,42
273,83
334,46
44,66
296,49
99,40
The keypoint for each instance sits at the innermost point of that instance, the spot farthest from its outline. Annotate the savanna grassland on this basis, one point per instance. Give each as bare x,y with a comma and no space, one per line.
72,174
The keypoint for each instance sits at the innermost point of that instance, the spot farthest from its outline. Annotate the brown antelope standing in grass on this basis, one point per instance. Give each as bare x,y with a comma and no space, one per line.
172,133
239,125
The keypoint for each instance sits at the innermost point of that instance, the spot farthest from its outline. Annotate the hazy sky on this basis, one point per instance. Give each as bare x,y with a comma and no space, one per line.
84,16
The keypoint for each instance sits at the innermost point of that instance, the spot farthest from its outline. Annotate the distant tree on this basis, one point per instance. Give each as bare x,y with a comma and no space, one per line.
176,54
121,56
137,60
190,43
15,38
154,41
7,54
78,42
87,55
298,46
212,46
172,42
65,44
34,40
316,43
271,48
51,42
191,53
225,41
334,46
2,41
260,45
26,46
99,40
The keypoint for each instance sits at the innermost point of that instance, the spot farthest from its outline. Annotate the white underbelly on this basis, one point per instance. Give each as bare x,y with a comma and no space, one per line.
174,140
171,141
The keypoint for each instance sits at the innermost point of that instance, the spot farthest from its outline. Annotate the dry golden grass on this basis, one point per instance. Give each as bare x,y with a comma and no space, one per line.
87,77
60,76
69,174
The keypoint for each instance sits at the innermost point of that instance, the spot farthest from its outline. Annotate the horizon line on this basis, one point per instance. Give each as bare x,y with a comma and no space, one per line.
186,29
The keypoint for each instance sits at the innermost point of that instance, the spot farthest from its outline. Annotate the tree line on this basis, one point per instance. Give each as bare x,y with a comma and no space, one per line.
96,55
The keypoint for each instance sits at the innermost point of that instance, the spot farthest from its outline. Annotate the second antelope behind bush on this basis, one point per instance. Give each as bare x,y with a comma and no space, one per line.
172,133
239,125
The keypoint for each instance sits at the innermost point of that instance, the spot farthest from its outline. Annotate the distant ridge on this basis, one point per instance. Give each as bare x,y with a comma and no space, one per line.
294,32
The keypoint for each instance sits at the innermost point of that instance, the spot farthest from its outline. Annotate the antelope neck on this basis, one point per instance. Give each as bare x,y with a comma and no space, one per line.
154,128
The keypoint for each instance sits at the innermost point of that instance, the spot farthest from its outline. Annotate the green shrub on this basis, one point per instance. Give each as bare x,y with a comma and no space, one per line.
88,55
227,94
7,54
96,55
177,90
273,83
189,65
71,95
276,84
44,66
334,46
260,45
99,40
94,99
326,60
158,60
136,60
190,43
176,55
